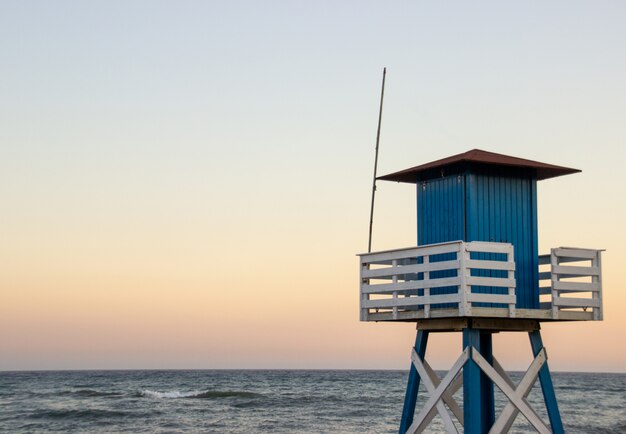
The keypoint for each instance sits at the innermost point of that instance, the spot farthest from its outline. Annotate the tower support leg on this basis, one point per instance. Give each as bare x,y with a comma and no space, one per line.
410,398
546,385
478,399
486,385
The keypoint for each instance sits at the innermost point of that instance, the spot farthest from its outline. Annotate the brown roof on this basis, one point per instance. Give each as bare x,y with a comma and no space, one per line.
482,158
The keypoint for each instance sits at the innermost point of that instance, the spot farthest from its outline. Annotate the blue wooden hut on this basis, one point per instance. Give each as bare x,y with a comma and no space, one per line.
483,196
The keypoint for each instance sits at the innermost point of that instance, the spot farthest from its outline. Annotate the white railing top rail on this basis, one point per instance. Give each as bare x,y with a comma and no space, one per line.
384,257
402,249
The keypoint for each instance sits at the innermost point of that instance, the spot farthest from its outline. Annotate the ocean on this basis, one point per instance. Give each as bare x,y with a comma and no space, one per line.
263,401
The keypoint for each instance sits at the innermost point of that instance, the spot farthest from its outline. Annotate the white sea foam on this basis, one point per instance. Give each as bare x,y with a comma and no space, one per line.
172,394
207,394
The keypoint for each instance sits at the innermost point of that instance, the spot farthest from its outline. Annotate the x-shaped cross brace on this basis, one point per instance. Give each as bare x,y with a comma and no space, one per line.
516,395
441,391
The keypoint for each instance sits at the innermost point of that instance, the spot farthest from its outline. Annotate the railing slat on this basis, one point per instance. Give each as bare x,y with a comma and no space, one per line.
567,259
491,298
571,270
490,265
410,252
545,275
486,247
544,290
410,269
490,281
575,302
411,301
544,259
575,253
562,285
411,285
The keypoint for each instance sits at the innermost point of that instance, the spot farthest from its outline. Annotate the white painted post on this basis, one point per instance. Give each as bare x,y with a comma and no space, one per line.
465,306
364,297
394,279
554,262
597,295
426,290
511,275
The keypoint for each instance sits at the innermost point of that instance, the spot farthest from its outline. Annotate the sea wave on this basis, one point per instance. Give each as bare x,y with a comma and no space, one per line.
208,394
90,393
84,414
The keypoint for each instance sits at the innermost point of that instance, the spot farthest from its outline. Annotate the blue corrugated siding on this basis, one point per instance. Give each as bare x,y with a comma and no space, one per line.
440,204
484,207
504,209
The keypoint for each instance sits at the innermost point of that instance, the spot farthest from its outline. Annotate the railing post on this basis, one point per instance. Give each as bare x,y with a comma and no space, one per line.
597,295
364,297
465,306
394,279
554,262
426,290
511,275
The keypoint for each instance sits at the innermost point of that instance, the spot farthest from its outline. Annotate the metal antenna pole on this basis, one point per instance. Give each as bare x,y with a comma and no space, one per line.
380,116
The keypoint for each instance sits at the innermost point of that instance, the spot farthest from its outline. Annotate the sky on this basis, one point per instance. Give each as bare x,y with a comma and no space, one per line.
186,184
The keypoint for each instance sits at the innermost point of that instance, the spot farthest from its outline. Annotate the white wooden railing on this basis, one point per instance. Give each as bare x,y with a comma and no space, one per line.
401,281
581,277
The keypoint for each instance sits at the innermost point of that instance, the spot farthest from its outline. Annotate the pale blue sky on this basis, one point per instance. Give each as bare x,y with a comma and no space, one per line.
198,128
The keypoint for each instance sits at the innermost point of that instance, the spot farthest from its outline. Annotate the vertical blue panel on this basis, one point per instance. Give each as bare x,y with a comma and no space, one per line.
441,218
440,210
521,262
534,254
502,208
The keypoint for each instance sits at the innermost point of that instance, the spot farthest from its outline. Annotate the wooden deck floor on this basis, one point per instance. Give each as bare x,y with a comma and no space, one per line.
483,312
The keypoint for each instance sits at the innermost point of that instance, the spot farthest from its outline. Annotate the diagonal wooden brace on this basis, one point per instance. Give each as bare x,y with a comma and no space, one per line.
509,413
456,384
448,396
516,399
420,421
431,381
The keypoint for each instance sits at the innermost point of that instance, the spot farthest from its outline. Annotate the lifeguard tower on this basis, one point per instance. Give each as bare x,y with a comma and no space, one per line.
476,270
